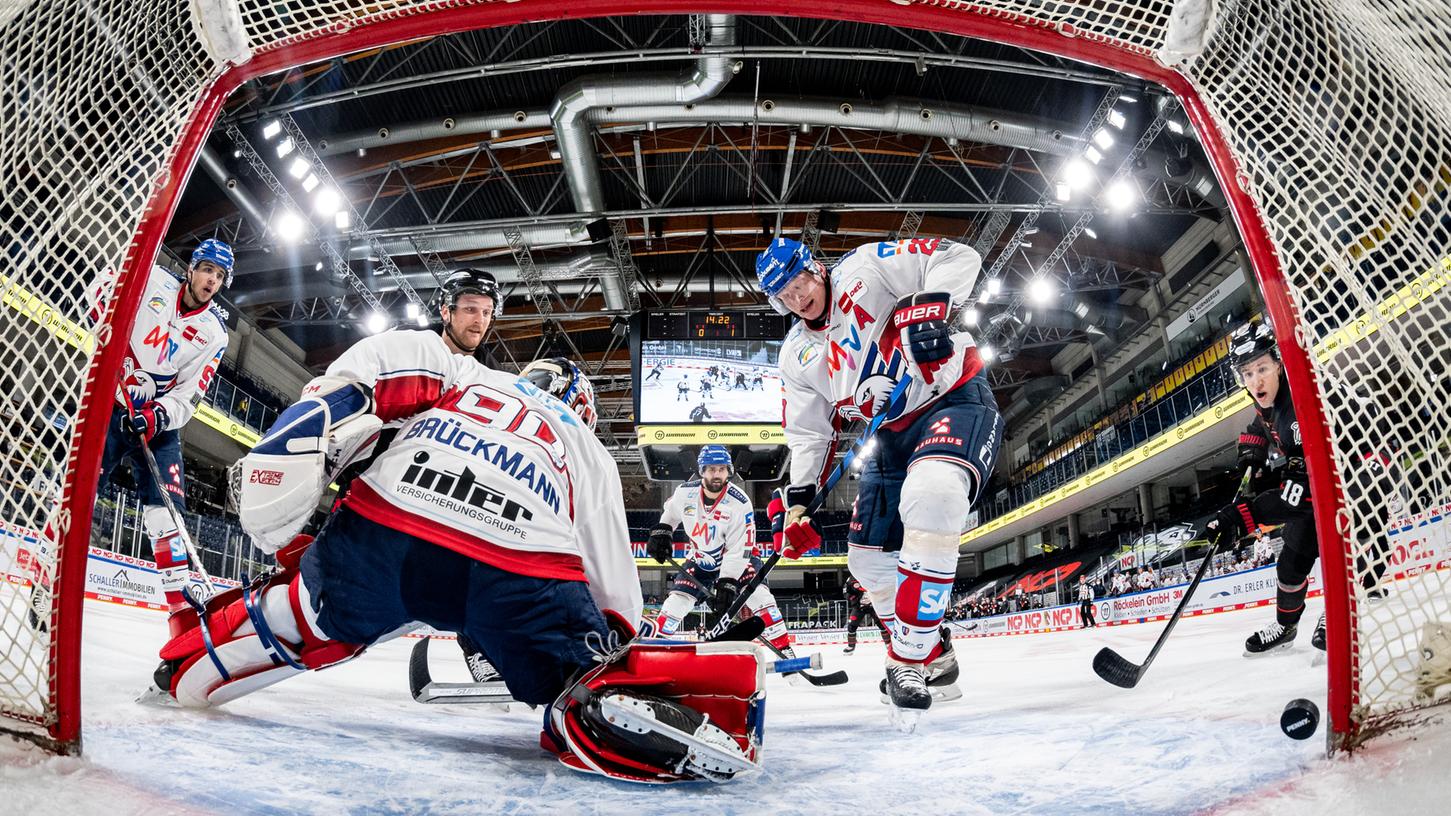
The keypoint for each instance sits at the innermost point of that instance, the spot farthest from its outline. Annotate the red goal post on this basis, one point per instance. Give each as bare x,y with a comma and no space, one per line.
114,105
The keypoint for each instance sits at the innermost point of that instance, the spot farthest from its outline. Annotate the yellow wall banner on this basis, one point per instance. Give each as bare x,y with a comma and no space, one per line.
709,434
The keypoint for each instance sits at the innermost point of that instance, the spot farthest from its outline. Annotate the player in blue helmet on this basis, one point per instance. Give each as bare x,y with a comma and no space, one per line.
210,272
778,270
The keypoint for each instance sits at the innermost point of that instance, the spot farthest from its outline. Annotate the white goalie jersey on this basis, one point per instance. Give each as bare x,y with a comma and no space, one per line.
846,369
719,532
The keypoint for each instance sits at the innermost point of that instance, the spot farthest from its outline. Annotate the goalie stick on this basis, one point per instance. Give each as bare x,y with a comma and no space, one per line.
898,394
1122,672
429,691
835,678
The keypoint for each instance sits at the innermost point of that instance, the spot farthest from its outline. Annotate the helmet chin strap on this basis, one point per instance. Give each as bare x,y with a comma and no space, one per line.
448,329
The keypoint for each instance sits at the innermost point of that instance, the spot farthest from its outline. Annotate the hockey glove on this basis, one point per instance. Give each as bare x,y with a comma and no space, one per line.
661,545
776,515
148,420
1229,524
801,533
726,590
921,321
1254,452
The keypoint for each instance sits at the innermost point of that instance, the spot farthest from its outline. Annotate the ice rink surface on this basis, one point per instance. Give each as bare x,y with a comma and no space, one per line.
1036,732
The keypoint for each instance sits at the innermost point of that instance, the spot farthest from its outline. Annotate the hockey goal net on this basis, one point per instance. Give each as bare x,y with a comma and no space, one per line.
1329,122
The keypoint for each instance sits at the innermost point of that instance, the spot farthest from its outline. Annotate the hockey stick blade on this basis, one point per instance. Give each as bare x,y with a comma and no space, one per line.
1117,669
748,629
424,690
836,678
1111,666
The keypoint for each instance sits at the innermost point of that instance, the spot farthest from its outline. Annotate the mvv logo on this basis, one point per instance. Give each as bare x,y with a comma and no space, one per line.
463,487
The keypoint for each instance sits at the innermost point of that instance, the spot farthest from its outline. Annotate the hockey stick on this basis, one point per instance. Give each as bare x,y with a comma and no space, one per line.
898,394
835,678
176,517
1120,671
427,690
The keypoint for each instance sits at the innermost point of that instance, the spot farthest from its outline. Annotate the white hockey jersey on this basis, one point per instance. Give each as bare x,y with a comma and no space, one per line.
491,467
173,354
843,370
720,531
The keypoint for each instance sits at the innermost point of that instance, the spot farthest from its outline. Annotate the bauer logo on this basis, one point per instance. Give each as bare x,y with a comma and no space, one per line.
266,477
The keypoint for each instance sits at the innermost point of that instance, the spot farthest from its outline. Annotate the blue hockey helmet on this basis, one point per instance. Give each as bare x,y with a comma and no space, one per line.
779,264
713,455
218,252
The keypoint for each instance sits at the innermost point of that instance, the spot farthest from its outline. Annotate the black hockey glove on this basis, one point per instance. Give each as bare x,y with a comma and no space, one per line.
726,590
921,320
1229,524
661,545
1254,452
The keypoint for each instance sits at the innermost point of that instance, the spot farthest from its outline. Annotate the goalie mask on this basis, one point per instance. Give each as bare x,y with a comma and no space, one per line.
560,378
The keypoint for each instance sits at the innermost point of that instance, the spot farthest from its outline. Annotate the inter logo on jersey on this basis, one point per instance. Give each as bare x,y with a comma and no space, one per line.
463,487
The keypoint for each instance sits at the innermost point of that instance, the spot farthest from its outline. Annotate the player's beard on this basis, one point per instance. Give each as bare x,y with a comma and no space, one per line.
458,341
714,486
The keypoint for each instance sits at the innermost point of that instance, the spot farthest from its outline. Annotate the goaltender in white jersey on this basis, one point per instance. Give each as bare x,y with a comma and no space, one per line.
720,529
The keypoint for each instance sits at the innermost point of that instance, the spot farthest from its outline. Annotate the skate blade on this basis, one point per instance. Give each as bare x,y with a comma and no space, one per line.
154,696
945,694
905,720
1284,647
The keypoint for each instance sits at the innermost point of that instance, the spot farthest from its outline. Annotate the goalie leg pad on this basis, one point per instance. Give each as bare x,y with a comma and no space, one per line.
249,638
664,712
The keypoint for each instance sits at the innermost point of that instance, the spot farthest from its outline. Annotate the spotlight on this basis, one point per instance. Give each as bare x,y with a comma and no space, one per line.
309,183
327,202
970,316
272,128
994,285
1090,233
317,267
411,309
1116,119
1077,174
342,220
1093,155
1129,99
987,353
1062,191
1041,290
422,321
1121,195
377,323
284,147
1175,128
288,225
1103,138
299,167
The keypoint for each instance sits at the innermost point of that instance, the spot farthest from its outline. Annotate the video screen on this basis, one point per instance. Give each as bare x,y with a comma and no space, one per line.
709,381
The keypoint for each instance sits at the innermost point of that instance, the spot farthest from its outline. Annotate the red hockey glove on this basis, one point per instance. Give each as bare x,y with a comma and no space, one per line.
776,515
148,420
801,533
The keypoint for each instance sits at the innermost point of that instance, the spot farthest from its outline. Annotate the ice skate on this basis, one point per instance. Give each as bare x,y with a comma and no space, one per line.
1273,638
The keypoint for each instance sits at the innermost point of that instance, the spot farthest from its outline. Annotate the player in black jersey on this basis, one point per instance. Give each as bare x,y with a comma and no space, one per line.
859,609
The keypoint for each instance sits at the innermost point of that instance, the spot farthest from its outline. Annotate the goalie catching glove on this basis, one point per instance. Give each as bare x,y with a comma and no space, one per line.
284,476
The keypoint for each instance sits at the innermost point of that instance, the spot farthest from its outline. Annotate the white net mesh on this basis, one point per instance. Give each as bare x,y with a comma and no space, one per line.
1336,112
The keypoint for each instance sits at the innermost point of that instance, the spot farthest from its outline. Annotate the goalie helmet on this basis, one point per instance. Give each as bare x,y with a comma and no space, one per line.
560,378
470,281
219,253
713,455
779,264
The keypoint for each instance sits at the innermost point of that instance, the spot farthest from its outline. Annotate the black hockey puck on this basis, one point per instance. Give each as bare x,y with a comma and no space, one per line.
1300,719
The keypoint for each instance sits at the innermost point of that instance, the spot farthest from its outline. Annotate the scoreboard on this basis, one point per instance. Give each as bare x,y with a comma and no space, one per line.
715,326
